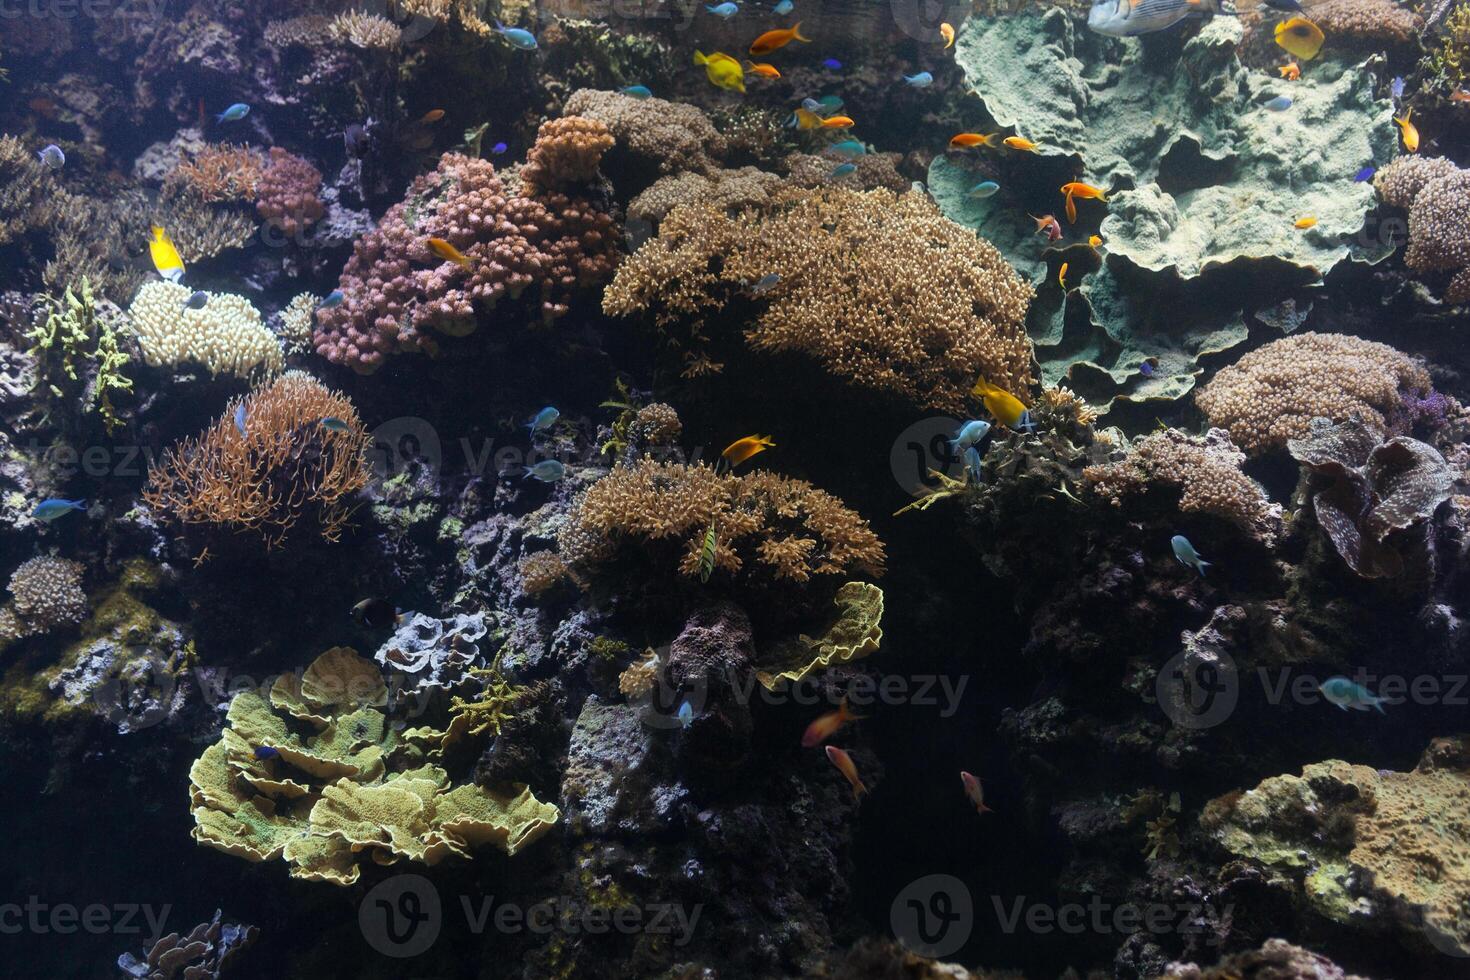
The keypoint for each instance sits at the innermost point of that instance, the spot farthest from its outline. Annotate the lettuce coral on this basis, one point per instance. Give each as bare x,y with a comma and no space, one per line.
856,632
327,797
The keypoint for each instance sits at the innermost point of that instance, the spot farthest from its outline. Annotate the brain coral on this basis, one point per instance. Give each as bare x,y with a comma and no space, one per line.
1272,394
400,294
226,336
1436,194
879,288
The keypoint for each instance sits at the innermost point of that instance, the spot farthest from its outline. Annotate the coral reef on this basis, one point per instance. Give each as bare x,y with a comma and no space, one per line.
567,151
931,306
1370,25
203,953
670,137
220,172
1436,194
286,193
1277,959
46,594
1272,394
226,336
297,452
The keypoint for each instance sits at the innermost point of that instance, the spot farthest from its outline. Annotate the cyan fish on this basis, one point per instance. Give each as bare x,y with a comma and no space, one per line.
637,91
547,471
1130,18
518,37
334,298
1280,104
685,714
765,284
543,419
1186,554
922,80
1346,694
234,113
53,507
240,418
849,148
830,103
197,300
984,189
334,424
973,464
783,8
969,434
842,170
52,157
724,10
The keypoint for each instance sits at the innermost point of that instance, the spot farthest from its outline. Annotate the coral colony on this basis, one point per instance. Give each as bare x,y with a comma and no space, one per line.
740,490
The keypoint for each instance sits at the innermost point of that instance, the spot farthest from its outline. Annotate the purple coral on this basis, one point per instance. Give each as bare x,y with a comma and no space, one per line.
287,194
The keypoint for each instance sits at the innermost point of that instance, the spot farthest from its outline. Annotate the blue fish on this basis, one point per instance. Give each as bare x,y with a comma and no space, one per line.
1346,694
1397,88
52,157
1026,423
922,80
1365,175
831,63
334,298
518,37
240,418
197,300
984,189
543,419
637,92
547,471
842,170
725,10
498,149
334,424
685,714
1279,104
1147,369
970,434
53,507
765,284
849,148
1186,554
784,7
973,464
234,113
811,105
266,752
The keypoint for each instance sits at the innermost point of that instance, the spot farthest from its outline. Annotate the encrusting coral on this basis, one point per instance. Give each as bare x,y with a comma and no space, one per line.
1370,24
226,335
46,594
1272,394
1436,193
286,194
302,454
340,783
879,288
766,525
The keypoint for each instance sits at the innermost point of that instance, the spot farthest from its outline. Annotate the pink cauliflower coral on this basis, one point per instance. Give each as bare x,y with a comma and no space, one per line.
286,194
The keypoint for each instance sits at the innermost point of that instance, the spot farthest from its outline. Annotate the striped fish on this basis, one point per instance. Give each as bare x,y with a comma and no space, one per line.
707,553
1130,18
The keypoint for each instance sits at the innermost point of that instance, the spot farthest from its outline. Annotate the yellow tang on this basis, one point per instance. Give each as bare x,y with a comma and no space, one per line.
1001,403
722,70
742,449
165,257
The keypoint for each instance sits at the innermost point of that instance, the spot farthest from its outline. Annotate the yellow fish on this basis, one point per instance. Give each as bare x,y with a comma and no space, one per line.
742,449
1001,403
1095,241
449,253
763,70
165,257
1301,37
1020,143
1302,224
1411,132
946,31
1062,276
806,119
722,70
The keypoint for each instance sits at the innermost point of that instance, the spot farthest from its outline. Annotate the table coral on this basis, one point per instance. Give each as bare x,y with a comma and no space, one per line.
1436,194
227,335
399,294
342,784
878,288
1272,394
285,467
287,193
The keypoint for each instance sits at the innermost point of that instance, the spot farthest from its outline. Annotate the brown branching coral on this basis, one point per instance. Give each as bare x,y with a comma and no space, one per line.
673,137
879,288
46,594
302,456
220,172
1436,194
1272,394
730,190
28,194
1205,471
873,170
766,525
567,151
541,571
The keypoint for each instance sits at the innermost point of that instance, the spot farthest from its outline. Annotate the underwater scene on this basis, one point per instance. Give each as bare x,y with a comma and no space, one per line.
735,489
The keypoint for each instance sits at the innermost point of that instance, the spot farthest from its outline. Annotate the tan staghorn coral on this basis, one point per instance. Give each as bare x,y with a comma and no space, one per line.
541,571
28,193
657,425
46,594
766,525
227,335
367,31
1436,194
1204,470
878,288
873,170
729,190
297,320
285,468
672,136
1272,394
567,151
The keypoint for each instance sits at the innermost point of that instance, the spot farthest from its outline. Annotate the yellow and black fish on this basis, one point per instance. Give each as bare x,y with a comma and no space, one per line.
707,553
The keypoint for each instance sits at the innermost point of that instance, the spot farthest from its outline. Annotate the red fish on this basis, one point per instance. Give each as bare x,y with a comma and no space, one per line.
974,791
828,725
844,765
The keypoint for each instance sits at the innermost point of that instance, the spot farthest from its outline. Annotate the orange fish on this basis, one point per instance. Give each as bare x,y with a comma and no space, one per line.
837,122
448,252
432,116
1411,132
1095,241
763,70
775,40
974,791
1085,191
1460,95
844,765
1290,71
1020,143
826,726
965,141
742,449
1062,276
946,31
1302,224
1071,210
